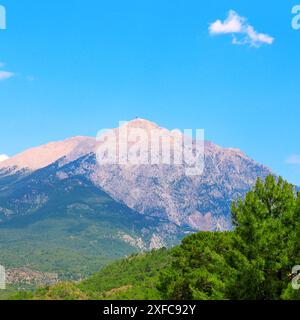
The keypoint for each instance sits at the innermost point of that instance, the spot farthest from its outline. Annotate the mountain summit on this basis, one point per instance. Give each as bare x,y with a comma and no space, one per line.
141,124
160,190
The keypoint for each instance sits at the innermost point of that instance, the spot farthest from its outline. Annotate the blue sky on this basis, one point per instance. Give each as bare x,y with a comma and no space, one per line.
82,66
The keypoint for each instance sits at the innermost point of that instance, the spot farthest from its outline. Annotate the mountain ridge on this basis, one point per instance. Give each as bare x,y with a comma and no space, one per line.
160,190
26,159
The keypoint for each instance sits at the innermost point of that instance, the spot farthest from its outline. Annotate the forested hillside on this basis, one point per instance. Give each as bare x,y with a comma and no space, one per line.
252,262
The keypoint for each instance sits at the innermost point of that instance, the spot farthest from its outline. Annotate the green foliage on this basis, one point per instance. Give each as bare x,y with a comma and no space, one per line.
76,234
267,230
132,278
137,274
200,269
254,261
74,248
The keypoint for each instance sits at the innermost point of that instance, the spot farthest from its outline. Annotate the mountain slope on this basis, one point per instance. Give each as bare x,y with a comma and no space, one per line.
164,191
198,202
64,224
135,277
40,157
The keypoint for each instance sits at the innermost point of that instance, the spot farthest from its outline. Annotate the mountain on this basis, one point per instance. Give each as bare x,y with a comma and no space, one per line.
56,221
198,202
63,211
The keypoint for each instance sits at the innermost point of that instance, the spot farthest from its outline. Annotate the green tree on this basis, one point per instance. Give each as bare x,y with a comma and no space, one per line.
200,269
254,261
266,231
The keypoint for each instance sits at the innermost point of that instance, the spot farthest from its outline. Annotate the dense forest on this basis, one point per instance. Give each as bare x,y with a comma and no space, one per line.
253,261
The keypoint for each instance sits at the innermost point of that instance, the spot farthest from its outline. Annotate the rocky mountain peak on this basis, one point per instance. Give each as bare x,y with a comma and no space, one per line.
201,202
140,123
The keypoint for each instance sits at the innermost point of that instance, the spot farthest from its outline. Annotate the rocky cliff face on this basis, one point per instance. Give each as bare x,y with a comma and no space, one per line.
200,202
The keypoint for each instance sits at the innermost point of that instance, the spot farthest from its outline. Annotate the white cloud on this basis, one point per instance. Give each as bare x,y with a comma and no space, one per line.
3,157
232,24
6,75
293,159
243,33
